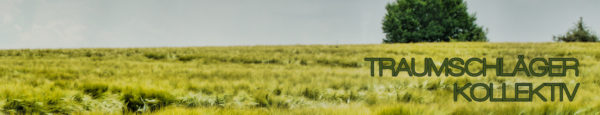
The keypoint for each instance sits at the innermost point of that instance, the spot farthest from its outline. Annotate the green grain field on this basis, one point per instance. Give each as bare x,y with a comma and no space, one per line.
291,79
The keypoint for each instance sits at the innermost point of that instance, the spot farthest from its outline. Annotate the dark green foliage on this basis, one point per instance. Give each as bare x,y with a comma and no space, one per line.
430,21
37,106
277,91
155,56
95,90
579,33
23,106
311,93
406,97
186,58
146,100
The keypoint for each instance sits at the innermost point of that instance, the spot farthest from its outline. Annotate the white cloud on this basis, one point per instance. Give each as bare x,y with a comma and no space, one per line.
18,27
53,31
7,10
7,19
54,24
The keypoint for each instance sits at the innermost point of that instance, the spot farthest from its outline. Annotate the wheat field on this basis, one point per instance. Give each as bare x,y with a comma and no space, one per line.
287,79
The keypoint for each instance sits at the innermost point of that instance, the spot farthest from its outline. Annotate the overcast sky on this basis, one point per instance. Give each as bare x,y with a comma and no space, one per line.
158,23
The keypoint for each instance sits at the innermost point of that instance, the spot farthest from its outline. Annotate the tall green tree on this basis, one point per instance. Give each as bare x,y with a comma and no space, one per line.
430,21
579,33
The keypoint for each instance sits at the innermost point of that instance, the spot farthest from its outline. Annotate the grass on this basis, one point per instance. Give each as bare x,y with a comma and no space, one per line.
299,79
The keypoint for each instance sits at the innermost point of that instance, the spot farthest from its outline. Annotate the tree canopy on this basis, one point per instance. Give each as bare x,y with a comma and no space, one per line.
430,21
579,33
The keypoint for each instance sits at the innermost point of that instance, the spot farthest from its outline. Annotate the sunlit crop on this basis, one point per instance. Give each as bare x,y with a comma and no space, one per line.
298,79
